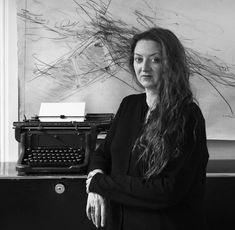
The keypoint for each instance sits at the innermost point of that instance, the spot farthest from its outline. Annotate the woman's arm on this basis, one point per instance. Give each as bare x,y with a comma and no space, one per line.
100,163
100,158
167,188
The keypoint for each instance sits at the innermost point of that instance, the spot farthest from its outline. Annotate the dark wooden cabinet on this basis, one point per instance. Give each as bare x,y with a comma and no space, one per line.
220,202
43,203
220,194
58,202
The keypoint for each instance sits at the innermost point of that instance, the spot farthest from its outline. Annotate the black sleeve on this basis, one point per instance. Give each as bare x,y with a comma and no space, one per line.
100,158
171,185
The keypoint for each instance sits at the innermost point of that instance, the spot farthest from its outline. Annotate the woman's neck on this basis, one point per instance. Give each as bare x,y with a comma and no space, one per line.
151,98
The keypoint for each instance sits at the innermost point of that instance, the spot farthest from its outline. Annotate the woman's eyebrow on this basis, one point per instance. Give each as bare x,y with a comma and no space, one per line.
148,55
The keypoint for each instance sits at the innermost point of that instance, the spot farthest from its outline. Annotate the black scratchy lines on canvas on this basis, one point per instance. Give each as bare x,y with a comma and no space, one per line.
97,27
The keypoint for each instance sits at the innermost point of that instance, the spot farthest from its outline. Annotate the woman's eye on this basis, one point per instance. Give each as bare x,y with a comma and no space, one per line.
156,60
138,59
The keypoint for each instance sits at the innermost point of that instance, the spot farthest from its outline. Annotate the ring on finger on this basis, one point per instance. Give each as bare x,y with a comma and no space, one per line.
92,209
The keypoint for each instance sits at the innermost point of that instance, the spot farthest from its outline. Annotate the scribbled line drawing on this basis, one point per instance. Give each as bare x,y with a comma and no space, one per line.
231,116
101,48
99,52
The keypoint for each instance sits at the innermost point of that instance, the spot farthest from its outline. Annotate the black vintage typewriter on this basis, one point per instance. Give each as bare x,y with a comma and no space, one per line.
58,147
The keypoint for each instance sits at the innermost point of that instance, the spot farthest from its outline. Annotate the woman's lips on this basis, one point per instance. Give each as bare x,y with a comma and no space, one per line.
146,75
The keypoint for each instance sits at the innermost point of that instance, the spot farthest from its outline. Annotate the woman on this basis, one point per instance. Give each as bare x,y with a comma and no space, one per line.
150,171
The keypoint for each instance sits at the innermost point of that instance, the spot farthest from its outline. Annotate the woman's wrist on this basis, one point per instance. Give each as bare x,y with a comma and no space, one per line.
93,172
90,176
93,182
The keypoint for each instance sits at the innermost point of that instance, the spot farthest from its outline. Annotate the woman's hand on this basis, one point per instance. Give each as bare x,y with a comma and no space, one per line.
96,209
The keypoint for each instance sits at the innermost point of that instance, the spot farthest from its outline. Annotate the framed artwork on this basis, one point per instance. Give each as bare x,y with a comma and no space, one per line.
77,50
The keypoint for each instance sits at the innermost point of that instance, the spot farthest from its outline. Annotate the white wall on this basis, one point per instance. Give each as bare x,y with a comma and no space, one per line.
8,80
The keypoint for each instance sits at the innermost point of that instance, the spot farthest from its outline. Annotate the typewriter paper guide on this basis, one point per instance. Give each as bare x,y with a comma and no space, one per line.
55,112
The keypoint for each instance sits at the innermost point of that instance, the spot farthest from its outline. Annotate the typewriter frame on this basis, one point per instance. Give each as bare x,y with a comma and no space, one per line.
29,137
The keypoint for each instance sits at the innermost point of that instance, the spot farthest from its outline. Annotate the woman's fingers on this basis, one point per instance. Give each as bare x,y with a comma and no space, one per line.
88,207
96,209
103,213
97,214
100,212
93,219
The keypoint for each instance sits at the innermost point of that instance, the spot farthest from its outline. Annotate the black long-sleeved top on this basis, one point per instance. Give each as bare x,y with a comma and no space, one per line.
171,200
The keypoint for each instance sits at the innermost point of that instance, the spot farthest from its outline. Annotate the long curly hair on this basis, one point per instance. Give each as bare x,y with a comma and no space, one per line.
163,133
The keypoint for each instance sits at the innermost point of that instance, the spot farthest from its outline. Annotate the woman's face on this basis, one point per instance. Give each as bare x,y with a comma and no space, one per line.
147,63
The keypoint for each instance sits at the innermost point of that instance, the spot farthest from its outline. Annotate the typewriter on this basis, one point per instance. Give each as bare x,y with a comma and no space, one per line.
58,147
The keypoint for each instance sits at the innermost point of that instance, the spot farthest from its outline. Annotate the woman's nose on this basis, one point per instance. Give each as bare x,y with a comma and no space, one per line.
146,66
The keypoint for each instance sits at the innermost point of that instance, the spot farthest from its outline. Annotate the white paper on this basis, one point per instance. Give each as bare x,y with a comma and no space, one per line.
71,111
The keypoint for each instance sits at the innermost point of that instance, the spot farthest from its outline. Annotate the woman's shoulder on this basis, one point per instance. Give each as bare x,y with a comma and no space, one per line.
133,98
193,111
132,104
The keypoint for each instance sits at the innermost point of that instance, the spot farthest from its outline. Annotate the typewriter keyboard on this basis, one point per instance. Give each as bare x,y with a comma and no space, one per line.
54,157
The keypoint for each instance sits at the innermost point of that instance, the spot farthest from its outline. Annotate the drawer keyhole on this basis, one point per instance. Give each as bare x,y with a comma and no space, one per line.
59,188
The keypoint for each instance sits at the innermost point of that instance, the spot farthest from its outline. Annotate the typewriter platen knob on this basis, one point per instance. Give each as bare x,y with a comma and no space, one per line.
59,188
